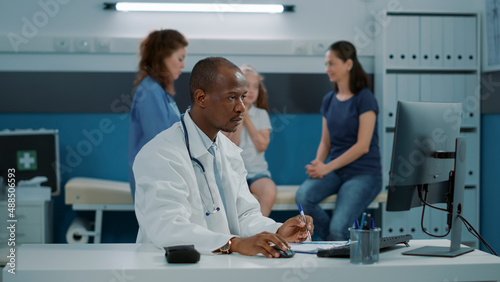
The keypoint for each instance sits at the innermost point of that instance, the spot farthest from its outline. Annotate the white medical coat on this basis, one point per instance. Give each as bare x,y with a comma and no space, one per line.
169,191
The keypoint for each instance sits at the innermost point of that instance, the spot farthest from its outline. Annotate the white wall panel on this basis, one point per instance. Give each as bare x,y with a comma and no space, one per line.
31,26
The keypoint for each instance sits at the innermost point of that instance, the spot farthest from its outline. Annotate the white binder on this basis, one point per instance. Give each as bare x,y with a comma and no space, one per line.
472,101
436,87
470,32
392,41
401,40
445,91
413,87
426,89
426,41
458,87
402,87
408,87
460,37
413,41
472,158
389,108
436,41
448,41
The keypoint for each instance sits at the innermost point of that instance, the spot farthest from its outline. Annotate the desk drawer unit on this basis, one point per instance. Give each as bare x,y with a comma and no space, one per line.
31,225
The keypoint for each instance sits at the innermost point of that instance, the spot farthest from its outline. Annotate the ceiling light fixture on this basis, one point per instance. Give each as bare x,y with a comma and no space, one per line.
199,7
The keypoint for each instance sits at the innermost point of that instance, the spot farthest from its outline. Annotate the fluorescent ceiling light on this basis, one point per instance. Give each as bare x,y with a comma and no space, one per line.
199,7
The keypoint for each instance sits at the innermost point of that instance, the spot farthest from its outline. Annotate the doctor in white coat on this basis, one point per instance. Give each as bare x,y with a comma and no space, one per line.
178,198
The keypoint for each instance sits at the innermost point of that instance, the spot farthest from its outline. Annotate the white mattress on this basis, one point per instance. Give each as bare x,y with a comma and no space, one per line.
84,190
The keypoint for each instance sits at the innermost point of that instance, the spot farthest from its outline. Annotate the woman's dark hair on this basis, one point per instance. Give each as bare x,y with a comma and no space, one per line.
159,44
357,77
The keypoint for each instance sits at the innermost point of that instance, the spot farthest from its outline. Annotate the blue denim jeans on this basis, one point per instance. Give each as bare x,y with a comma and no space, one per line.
354,194
257,177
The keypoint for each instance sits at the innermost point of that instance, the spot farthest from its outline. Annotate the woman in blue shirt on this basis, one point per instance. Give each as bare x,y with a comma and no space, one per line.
154,109
348,158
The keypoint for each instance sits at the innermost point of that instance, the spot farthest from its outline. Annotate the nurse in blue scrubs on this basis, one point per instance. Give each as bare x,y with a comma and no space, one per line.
154,109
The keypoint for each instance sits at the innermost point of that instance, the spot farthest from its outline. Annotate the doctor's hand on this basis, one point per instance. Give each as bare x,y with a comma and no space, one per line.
259,244
317,169
294,229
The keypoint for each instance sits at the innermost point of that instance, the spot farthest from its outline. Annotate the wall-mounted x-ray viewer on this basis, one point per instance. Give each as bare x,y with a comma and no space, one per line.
199,7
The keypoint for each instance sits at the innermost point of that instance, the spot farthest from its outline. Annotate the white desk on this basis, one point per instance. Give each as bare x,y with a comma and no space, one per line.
135,262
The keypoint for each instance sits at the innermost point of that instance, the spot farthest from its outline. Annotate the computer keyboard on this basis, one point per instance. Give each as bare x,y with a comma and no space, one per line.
385,242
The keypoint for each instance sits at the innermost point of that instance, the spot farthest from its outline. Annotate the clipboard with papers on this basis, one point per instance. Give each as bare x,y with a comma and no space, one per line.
315,246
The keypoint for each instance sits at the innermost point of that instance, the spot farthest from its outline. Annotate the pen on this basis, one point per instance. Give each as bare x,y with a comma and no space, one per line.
363,219
301,211
372,223
366,224
356,224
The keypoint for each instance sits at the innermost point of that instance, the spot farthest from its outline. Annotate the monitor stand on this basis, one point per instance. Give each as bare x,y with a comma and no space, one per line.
456,225
438,252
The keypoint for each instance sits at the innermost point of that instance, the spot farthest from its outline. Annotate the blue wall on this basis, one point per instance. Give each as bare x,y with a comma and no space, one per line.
293,145
107,157
490,180
294,140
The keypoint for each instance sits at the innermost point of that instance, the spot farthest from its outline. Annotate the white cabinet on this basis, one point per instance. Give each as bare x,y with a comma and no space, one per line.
33,214
431,57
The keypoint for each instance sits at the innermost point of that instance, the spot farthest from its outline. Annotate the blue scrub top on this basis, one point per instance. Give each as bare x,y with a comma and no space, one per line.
342,118
153,110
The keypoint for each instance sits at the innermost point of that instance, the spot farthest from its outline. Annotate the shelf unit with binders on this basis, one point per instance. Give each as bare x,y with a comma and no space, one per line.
432,57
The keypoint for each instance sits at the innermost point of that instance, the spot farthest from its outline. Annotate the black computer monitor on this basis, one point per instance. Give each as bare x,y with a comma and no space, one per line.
428,166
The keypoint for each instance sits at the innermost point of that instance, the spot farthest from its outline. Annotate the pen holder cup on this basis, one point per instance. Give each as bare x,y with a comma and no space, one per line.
364,246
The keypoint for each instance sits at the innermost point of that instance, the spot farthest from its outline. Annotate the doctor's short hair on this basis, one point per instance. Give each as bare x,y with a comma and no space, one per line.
205,72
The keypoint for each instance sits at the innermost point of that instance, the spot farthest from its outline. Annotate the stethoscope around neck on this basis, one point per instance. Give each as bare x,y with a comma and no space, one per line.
197,162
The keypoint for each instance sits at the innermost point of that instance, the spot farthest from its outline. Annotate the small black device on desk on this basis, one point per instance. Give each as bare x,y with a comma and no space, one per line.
182,254
284,254
385,242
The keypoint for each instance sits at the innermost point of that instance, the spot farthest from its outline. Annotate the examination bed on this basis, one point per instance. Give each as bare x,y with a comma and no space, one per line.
99,195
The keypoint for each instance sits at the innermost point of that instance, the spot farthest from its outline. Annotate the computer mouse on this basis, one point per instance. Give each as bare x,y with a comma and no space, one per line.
284,254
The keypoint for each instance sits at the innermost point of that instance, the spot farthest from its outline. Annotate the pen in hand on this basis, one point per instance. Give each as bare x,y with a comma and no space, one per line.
301,211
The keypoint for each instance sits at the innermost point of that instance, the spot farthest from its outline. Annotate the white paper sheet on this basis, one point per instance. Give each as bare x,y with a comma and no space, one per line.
313,247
